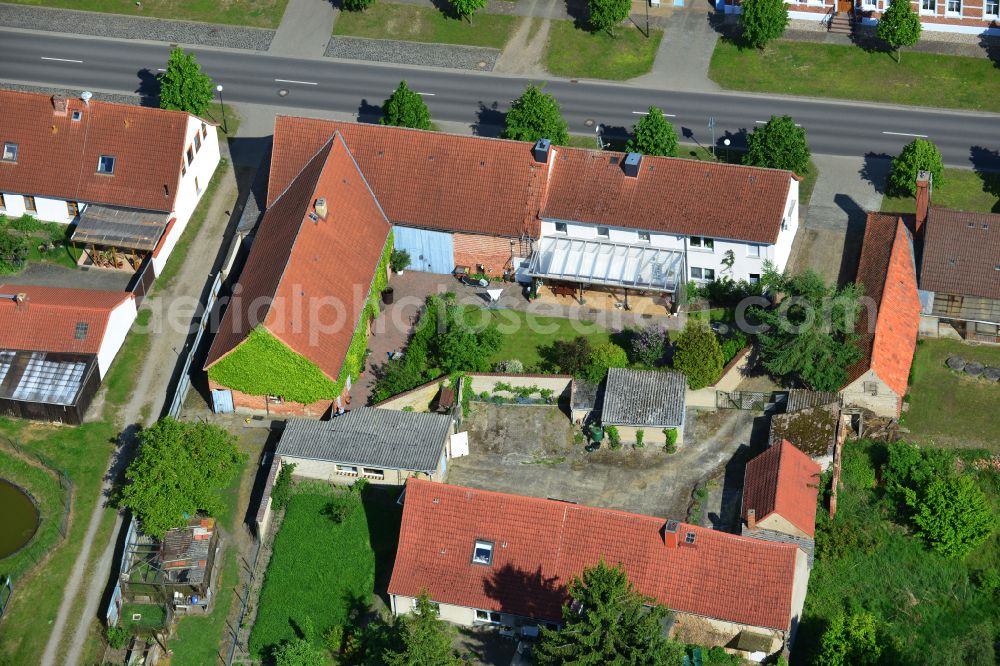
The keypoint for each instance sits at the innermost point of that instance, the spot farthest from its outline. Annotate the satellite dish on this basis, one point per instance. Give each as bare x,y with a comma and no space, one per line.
85,96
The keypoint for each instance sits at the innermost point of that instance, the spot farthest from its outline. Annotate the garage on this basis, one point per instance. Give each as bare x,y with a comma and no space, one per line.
430,251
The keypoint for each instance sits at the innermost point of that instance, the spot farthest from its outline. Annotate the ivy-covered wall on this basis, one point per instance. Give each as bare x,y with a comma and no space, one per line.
263,365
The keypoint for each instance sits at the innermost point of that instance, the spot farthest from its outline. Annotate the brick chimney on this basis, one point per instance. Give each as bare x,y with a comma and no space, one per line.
60,106
924,186
751,519
670,533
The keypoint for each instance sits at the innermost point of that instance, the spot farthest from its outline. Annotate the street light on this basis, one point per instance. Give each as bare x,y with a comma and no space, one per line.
225,127
600,142
726,142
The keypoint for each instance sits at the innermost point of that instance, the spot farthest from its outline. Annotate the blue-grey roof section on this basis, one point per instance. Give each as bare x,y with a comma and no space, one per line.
371,437
644,398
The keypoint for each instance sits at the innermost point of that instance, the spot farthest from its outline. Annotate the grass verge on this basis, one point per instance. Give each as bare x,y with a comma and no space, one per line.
848,72
253,13
387,20
962,189
575,52
929,603
951,409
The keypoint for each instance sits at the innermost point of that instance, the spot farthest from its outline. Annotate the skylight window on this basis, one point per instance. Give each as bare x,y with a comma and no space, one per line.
10,152
106,164
689,537
483,552
77,115
81,330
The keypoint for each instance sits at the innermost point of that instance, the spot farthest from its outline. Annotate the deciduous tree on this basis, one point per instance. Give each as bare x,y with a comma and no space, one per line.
851,641
653,135
425,639
763,21
535,115
298,652
953,514
183,86
568,356
405,108
463,348
604,356
698,354
778,144
809,334
356,5
916,156
608,622
179,470
899,26
606,14
466,8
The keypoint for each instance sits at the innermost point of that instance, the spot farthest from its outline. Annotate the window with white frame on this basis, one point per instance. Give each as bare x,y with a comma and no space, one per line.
753,250
754,278
10,152
644,236
702,243
106,164
482,552
561,227
954,7
603,232
197,143
991,9
372,471
347,469
705,274
928,6
435,605
29,204
487,616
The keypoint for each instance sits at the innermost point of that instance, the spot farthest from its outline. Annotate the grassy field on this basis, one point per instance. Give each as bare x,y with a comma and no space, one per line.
948,408
848,72
319,571
524,333
934,605
256,13
386,20
596,55
962,189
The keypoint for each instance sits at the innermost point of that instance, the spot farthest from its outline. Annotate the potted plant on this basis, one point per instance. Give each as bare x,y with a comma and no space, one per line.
399,260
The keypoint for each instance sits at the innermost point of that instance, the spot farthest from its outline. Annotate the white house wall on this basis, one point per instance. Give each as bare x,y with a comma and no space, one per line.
782,250
49,210
119,323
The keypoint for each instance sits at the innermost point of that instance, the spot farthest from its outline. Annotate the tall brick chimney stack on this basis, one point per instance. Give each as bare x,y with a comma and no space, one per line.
751,519
924,186
670,533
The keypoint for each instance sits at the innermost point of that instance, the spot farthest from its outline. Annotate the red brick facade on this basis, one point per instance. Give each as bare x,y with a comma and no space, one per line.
492,252
259,404
971,14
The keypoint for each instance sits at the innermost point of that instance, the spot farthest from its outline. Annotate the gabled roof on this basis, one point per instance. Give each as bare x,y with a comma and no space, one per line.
372,437
494,186
644,397
55,319
57,156
887,270
540,545
961,253
299,268
783,481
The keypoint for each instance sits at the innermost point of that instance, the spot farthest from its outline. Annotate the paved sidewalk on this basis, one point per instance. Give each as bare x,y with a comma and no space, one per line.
830,235
305,29
689,38
942,43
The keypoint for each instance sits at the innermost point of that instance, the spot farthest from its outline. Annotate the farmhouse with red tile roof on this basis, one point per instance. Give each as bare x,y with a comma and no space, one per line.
293,337
888,329
56,345
129,177
488,557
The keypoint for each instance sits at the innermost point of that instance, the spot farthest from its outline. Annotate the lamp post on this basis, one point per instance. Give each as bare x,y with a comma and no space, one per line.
225,127
600,141
646,3
726,142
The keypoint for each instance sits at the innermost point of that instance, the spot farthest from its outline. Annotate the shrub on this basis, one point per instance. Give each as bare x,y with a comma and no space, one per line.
727,292
118,637
671,444
732,345
281,491
460,347
356,5
339,508
851,641
649,344
399,260
640,435
603,357
698,355
569,356
333,639
858,471
512,366
614,438
954,515
14,251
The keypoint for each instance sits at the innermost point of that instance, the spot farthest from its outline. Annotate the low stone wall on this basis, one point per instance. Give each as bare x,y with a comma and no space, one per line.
418,398
732,373
560,385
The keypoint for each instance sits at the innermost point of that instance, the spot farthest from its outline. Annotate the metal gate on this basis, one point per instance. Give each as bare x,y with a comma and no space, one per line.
222,401
430,251
750,400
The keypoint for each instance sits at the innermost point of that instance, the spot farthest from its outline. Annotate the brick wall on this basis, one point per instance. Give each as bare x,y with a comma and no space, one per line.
493,252
259,404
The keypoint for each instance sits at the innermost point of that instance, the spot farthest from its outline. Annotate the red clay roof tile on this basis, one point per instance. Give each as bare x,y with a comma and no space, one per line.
540,545
493,186
47,319
312,276
57,156
784,481
961,253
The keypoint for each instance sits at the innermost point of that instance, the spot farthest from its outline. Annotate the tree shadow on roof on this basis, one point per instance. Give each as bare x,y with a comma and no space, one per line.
525,593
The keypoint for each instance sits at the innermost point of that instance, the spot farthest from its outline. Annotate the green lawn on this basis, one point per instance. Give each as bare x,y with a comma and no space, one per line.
387,20
848,72
579,53
962,189
932,604
256,13
38,234
524,333
319,571
948,408
152,616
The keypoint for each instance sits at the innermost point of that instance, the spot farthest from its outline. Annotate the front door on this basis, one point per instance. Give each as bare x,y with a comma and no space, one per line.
845,6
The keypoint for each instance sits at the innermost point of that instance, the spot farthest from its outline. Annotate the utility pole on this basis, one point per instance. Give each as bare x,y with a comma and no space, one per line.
711,126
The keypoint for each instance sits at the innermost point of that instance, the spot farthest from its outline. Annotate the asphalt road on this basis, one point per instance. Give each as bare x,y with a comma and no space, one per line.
834,128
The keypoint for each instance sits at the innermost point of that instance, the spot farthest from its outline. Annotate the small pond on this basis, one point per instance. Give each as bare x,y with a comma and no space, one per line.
20,518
